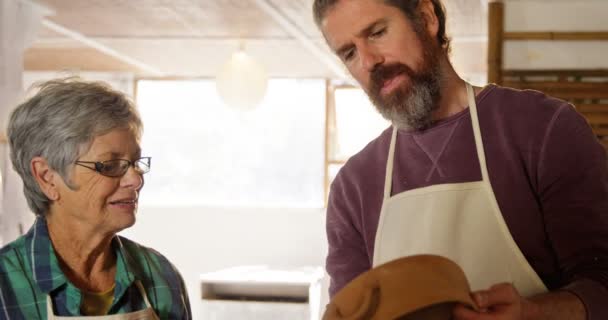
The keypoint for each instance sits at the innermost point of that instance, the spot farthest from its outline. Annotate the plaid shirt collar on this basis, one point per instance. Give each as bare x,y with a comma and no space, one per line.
45,267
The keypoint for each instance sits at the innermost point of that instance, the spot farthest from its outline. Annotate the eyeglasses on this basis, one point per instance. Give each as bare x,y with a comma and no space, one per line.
117,167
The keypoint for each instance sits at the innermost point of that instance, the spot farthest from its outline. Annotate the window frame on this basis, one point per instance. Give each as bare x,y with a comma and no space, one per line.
331,130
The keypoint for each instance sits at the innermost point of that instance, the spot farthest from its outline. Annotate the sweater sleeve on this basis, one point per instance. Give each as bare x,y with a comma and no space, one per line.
347,256
573,192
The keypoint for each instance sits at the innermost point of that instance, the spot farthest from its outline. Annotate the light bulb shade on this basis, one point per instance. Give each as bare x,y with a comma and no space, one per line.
242,82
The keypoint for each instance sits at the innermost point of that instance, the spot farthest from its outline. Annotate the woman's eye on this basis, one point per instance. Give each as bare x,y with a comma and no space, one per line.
109,167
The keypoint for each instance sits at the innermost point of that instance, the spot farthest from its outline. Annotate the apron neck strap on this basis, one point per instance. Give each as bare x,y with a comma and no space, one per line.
481,155
388,179
142,291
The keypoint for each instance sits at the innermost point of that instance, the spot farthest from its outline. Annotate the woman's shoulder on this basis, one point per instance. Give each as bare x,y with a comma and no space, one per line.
136,249
11,253
15,275
146,260
157,275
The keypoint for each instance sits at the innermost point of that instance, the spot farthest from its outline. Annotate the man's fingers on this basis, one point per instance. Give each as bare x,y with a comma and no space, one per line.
500,294
462,312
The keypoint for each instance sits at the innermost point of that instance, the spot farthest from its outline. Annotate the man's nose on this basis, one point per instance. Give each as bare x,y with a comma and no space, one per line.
370,58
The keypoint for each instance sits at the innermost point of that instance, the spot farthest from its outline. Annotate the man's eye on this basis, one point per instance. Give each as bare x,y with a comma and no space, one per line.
378,33
348,55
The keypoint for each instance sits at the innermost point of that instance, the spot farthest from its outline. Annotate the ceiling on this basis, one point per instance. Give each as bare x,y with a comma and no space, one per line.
193,38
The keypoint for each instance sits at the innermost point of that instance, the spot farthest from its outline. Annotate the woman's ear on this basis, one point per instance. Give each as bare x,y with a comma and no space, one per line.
46,177
427,13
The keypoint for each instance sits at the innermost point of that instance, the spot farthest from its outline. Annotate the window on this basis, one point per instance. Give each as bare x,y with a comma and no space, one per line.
352,123
204,153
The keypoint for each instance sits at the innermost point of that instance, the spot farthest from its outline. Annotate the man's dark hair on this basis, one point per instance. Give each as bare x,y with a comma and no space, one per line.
408,7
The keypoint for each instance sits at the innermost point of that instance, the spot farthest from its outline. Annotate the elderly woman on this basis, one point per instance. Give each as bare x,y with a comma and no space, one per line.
75,144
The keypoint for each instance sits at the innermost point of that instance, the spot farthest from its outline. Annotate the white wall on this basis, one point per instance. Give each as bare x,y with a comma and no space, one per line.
204,239
556,15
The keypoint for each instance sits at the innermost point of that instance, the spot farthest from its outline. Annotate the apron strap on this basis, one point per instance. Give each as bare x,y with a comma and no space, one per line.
142,291
50,314
388,179
477,133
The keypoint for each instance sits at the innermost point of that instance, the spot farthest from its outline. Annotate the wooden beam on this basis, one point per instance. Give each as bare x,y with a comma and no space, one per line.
338,161
557,72
592,108
601,131
101,47
597,119
570,95
565,90
495,41
551,35
77,59
554,85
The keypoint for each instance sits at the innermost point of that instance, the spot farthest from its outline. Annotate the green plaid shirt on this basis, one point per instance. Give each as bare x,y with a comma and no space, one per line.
29,271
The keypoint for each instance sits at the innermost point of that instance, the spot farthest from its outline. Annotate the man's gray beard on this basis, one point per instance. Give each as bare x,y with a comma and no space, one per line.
413,112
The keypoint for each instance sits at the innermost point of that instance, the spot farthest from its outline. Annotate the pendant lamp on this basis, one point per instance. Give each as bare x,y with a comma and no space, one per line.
242,81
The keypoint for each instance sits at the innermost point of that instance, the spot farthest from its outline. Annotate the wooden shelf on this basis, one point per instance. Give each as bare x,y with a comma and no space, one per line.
564,90
601,132
551,35
586,89
555,72
592,108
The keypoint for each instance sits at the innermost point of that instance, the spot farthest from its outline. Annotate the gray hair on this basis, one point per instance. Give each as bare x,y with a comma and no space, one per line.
59,123
408,7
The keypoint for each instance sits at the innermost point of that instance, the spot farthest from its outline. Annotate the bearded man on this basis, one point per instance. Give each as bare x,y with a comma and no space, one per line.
511,185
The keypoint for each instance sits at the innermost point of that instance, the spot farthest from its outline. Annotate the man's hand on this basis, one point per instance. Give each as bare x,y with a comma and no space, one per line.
500,302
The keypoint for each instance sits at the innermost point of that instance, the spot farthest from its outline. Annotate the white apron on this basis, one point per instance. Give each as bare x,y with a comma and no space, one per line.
460,221
144,314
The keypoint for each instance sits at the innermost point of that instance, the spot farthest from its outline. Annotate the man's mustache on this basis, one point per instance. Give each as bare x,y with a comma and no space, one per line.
384,72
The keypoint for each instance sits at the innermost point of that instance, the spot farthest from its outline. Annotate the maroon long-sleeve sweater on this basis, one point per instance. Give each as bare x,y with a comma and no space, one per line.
548,171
